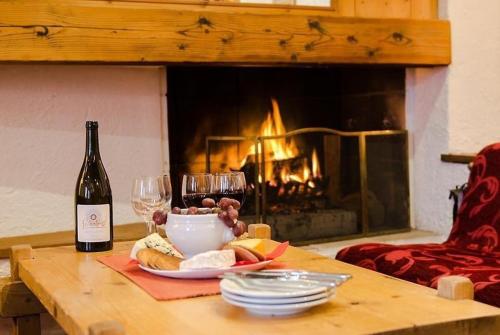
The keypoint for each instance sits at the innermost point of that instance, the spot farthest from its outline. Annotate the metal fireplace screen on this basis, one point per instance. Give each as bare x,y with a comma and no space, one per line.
323,184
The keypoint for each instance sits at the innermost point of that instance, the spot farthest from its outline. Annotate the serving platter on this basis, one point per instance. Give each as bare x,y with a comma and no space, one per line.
205,273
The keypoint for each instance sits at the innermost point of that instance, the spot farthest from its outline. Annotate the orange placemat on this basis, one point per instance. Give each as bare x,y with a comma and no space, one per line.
163,288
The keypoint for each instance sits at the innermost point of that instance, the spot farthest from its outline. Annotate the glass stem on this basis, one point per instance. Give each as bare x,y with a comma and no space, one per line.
151,227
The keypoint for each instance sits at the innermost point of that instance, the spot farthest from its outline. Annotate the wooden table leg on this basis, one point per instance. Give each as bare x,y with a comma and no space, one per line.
106,328
17,253
26,324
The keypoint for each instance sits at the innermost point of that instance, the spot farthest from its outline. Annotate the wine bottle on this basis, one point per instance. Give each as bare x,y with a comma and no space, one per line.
93,201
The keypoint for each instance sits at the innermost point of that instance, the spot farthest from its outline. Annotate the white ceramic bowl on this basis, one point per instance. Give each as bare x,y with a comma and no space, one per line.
194,234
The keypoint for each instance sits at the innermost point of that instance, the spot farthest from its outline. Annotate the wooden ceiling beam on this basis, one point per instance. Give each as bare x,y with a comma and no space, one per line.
84,31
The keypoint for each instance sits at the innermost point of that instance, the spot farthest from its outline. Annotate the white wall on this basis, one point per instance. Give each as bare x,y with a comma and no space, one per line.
453,109
43,110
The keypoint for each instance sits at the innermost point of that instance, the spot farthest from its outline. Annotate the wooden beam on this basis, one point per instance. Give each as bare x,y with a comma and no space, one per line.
458,158
84,31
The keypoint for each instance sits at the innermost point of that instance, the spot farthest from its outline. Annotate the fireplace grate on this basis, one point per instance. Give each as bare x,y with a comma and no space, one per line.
362,189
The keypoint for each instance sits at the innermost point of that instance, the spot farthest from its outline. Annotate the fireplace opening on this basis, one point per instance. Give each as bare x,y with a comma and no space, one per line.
323,149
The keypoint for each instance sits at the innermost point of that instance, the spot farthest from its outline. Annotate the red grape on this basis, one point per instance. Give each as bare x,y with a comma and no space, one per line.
239,228
159,217
176,210
224,203
222,215
208,202
232,213
235,203
225,218
192,210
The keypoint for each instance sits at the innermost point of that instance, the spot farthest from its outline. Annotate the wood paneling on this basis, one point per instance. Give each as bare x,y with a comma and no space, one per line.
415,9
383,8
131,32
424,9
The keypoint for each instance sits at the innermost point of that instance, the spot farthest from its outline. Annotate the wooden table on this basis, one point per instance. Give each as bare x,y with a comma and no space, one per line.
79,291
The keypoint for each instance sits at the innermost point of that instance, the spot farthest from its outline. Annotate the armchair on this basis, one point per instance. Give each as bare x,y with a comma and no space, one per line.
472,249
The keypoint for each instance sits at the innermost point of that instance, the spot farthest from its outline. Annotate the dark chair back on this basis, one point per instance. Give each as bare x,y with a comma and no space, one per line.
477,226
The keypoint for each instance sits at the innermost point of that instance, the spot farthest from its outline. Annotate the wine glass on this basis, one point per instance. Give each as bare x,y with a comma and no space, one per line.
167,186
229,185
148,196
195,188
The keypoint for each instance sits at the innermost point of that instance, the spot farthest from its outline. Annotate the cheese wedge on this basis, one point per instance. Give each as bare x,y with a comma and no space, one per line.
155,241
214,259
256,244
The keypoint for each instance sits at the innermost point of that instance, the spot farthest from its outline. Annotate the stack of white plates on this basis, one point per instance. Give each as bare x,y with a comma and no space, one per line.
273,297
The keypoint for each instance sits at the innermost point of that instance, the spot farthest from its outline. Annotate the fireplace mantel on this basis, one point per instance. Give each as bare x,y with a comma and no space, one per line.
84,31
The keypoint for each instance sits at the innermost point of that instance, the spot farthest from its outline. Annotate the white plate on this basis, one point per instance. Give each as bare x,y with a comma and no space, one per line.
306,290
278,301
278,310
204,273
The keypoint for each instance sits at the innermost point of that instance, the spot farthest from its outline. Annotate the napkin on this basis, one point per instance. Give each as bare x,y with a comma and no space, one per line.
163,288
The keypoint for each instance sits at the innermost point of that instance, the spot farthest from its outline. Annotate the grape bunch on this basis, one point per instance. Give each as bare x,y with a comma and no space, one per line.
226,209
229,215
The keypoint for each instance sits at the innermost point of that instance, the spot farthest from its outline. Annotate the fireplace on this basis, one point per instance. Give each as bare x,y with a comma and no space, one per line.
324,149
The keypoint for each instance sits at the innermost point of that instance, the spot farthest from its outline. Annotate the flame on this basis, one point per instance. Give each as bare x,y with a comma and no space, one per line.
316,172
277,150
281,149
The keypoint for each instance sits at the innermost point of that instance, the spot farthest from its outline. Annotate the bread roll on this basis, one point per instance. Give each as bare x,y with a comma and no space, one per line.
154,259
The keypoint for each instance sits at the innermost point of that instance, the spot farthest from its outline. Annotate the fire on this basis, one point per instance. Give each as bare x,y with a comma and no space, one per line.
283,149
315,164
276,149
284,161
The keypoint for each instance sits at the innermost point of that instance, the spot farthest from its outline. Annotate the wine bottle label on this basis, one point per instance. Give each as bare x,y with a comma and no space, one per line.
93,223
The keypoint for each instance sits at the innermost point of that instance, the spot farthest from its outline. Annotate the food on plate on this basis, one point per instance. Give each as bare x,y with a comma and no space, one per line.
176,210
246,254
155,259
242,254
214,259
155,241
256,244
